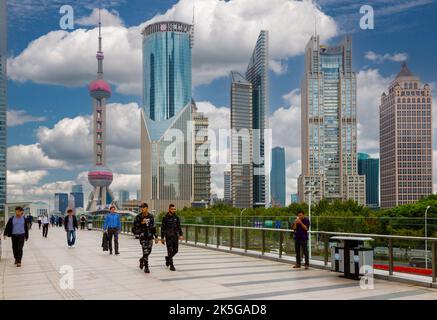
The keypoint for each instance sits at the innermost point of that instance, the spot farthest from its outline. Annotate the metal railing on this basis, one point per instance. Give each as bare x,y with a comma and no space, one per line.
262,240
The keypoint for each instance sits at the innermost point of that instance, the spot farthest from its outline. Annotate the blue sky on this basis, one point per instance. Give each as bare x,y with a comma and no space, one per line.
52,96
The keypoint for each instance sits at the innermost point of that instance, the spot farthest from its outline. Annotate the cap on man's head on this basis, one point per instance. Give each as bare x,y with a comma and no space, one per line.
144,205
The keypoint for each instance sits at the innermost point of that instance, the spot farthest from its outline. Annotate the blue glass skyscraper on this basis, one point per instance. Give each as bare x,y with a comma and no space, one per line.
277,177
3,106
369,167
61,202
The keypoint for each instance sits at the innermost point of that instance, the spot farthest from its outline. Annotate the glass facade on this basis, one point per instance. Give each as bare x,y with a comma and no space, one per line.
329,124
369,167
277,177
61,202
257,75
166,69
3,106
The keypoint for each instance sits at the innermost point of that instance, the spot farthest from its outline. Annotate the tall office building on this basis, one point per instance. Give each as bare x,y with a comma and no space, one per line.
329,125
227,194
139,195
3,106
167,176
202,167
77,196
123,197
277,177
61,202
405,119
241,142
369,167
257,75
100,177
294,198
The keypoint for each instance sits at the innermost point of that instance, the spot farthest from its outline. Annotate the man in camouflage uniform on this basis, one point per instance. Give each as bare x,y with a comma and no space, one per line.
171,233
144,225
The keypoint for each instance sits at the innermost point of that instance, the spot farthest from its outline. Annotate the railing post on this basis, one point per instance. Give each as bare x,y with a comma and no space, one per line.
263,245
246,240
196,234
218,236
326,245
186,234
206,236
231,244
434,258
281,243
390,257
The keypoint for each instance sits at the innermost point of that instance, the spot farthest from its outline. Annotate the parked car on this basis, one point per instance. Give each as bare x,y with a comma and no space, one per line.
419,262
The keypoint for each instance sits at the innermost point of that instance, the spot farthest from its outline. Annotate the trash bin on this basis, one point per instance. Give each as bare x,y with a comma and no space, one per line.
351,256
90,226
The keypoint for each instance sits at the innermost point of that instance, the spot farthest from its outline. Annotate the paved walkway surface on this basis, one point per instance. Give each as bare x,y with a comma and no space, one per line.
201,274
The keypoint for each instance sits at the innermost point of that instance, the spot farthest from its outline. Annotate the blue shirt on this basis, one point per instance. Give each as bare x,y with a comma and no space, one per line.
18,225
112,220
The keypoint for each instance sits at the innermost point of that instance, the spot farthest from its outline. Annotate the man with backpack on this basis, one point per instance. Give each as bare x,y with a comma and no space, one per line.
144,226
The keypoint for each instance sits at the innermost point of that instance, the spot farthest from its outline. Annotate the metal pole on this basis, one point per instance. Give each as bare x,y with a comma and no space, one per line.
434,275
426,236
309,229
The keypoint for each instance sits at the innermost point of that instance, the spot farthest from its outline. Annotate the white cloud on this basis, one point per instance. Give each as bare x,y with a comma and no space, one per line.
225,36
108,18
30,157
19,117
380,58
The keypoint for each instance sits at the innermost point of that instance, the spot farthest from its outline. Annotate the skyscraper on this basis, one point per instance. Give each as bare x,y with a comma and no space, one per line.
241,142
123,197
405,138
169,177
369,167
3,105
227,195
76,196
257,75
61,202
100,177
329,125
277,177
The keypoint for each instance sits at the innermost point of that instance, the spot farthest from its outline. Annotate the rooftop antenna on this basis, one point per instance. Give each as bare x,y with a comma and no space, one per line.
192,27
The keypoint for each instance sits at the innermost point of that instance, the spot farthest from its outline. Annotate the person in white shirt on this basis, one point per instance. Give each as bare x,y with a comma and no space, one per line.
45,225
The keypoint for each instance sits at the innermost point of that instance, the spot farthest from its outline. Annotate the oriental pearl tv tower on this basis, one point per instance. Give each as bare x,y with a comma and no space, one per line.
100,177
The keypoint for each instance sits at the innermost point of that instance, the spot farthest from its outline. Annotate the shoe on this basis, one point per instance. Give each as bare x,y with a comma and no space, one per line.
167,261
172,268
18,264
146,269
110,252
141,263
15,262
117,253
297,266
307,267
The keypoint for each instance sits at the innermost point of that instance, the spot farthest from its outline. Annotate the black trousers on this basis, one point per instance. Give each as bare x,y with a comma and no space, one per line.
39,225
17,246
113,233
301,245
45,229
172,246
82,226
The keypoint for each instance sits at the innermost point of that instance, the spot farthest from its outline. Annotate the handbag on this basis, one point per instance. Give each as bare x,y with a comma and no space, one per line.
105,241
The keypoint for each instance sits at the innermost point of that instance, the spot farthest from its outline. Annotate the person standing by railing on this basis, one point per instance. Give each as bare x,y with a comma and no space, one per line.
112,226
301,226
144,226
17,230
171,233
45,225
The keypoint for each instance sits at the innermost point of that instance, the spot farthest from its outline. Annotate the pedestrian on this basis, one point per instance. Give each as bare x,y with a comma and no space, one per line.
301,226
82,222
52,220
171,233
39,222
29,221
60,222
70,225
17,230
112,226
144,226
45,225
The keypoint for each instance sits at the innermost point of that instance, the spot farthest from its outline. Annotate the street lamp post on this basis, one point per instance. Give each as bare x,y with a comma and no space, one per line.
241,225
310,193
426,236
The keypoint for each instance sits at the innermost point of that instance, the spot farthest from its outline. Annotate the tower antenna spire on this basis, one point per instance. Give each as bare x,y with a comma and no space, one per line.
100,56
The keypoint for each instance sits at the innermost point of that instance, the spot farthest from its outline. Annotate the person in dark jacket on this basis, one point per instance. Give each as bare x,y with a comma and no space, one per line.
144,226
301,226
17,230
70,225
171,233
